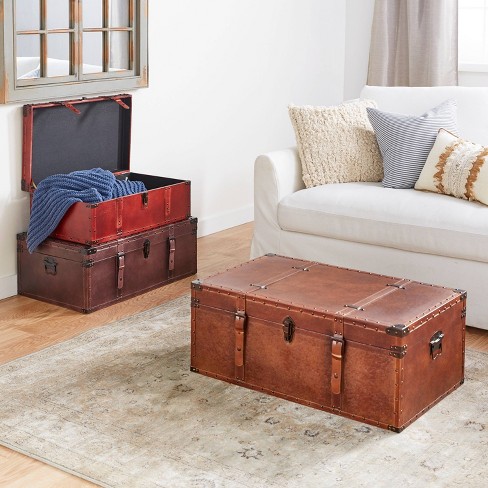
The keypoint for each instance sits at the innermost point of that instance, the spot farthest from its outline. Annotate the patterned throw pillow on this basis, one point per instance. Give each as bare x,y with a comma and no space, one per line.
456,167
406,140
336,144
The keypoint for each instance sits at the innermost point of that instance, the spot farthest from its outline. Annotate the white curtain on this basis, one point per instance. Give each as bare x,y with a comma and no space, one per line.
414,43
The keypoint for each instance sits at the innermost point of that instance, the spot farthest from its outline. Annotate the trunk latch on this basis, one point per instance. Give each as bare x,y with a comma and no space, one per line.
146,248
145,199
288,329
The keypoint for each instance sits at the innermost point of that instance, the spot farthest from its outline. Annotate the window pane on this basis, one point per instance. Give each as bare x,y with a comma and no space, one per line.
27,15
92,52
119,50
58,55
471,36
471,3
57,14
93,13
119,13
28,56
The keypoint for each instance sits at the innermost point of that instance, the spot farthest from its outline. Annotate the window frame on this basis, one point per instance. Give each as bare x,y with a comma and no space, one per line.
78,83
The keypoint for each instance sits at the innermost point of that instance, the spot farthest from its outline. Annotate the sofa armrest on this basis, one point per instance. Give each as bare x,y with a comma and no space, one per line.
276,175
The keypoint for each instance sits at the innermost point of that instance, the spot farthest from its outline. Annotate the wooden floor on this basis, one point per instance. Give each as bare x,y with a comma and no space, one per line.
28,325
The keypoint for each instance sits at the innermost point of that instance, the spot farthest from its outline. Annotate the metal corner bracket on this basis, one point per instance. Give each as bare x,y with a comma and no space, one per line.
196,285
398,330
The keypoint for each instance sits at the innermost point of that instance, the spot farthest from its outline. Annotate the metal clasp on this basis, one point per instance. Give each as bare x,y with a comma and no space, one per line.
145,198
146,248
288,329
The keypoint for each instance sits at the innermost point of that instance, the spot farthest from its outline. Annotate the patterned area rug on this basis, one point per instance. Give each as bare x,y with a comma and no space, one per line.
118,406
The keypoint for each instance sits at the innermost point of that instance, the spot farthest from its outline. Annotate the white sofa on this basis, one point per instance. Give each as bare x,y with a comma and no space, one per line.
406,233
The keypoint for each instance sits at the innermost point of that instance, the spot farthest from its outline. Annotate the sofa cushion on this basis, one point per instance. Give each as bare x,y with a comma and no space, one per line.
456,167
406,140
403,219
336,144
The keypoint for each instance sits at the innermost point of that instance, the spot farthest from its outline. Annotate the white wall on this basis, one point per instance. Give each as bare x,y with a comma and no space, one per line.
222,73
359,15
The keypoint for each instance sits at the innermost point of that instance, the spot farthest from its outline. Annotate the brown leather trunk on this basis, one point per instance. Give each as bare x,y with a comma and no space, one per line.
60,137
373,348
87,278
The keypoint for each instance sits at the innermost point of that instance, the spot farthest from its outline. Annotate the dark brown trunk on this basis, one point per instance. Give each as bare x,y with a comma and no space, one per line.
87,278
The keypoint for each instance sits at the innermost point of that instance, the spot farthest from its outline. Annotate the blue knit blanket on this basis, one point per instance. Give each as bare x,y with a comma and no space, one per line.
55,194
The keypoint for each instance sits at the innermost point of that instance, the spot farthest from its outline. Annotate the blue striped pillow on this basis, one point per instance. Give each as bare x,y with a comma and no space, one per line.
406,140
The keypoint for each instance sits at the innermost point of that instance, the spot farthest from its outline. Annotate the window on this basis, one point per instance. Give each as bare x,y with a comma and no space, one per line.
64,48
473,35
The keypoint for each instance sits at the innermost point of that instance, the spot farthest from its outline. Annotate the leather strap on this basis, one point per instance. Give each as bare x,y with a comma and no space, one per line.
120,268
167,202
120,102
337,353
71,107
240,324
172,249
119,204
337,349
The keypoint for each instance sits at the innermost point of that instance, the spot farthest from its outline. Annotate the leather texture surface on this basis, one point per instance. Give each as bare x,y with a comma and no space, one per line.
88,278
325,336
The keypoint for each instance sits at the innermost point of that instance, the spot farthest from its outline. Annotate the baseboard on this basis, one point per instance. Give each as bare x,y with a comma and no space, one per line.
8,286
225,220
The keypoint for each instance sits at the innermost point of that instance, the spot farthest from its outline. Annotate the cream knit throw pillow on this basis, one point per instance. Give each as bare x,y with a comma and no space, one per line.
336,144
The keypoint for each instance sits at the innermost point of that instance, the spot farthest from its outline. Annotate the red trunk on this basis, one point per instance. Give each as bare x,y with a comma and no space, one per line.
83,134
